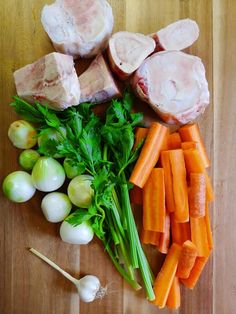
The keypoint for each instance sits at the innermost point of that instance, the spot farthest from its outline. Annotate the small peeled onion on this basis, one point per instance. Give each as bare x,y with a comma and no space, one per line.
80,191
81,234
22,134
56,206
48,174
18,186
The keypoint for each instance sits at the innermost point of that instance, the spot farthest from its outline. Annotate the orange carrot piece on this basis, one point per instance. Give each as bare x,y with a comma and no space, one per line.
165,162
179,185
136,196
193,163
164,241
173,300
208,228
191,132
149,154
199,235
186,260
150,237
174,141
140,134
180,232
187,145
195,273
154,202
165,277
164,145
197,195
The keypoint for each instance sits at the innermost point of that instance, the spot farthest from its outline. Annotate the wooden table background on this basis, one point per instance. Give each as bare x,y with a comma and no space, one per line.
27,285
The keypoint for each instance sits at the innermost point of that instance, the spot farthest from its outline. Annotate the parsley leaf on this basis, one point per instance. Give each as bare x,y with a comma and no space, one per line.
79,216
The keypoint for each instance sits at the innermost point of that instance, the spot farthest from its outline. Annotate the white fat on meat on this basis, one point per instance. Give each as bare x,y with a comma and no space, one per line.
177,36
97,84
174,84
78,27
127,52
51,80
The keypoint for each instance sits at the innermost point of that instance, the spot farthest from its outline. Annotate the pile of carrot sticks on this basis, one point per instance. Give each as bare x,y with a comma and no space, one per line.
172,185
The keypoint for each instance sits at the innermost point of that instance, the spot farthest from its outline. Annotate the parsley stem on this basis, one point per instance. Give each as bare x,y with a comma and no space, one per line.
117,218
115,236
118,207
123,273
130,225
123,246
126,258
105,147
146,272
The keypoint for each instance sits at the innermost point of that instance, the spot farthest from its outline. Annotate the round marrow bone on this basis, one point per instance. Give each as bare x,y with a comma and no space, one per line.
174,84
78,27
127,52
177,36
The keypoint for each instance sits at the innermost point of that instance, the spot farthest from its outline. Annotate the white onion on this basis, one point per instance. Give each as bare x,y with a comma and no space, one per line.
22,134
56,206
81,234
48,174
18,186
80,191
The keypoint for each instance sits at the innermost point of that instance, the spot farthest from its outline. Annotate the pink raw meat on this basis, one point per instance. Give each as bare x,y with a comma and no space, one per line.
50,80
174,84
127,51
177,36
78,27
97,84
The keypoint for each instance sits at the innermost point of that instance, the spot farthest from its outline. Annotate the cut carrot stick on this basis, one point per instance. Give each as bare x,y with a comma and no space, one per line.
195,273
199,235
149,154
197,195
173,300
186,260
164,241
193,163
166,275
165,162
154,202
179,185
174,141
164,145
136,196
208,227
187,145
150,237
140,134
180,232
191,132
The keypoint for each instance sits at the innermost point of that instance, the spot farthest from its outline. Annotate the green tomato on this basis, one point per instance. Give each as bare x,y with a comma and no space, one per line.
18,186
22,134
28,158
48,174
52,134
80,192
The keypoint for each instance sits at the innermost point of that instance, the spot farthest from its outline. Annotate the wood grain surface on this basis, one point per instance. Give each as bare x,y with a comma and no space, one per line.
29,286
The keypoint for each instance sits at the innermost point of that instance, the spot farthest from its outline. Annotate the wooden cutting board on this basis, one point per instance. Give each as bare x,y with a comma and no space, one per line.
29,286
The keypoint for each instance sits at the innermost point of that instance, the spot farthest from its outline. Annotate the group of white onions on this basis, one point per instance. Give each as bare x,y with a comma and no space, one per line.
48,175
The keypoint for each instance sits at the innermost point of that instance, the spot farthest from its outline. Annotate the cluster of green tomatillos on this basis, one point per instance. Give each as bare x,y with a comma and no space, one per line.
46,174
